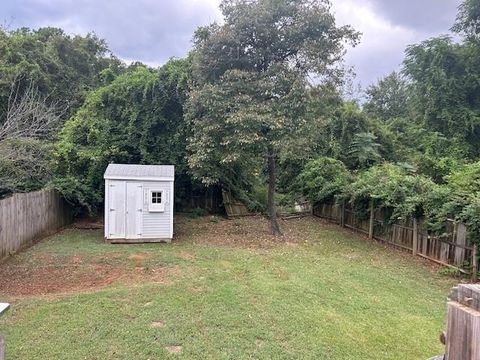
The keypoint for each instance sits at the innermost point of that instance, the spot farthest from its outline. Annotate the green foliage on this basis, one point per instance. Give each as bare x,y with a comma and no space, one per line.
468,19
364,150
451,272
63,67
323,179
392,186
198,212
341,128
463,202
445,90
388,99
259,35
60,69
260,195
137,118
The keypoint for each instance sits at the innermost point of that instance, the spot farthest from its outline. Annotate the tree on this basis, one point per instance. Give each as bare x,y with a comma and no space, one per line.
437,70
445,89
27,124
28,114
388,98
340,129
468,19
137,118
322,179
24,165
250,76
364,150
62,67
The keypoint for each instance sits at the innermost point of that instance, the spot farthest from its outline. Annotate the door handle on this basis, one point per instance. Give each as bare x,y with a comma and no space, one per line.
112,209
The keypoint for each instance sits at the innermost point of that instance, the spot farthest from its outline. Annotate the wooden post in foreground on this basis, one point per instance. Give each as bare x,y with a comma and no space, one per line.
475,264
415,237
2,348
3,307
372,220
463,323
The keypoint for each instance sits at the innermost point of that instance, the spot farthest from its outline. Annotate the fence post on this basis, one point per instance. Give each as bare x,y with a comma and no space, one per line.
2,348
342,214
463,322
415,237
475,263
372,219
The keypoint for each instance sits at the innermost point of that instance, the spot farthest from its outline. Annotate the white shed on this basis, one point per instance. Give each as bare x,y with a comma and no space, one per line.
139,203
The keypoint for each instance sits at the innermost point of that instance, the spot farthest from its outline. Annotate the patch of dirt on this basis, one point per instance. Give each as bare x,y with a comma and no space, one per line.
68,275
186,256
250,232
174,349
88,224
158,324
138,259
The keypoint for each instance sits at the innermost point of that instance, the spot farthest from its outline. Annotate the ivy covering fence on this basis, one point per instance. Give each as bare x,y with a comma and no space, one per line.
394,204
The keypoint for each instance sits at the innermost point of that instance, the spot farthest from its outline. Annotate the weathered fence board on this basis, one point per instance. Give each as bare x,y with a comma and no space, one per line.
233,207
29,216
463,323
452,249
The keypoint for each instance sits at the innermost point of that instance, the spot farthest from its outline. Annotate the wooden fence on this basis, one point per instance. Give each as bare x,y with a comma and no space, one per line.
452,249
27,217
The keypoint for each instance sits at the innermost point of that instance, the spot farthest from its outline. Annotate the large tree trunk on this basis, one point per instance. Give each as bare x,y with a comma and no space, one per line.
271,208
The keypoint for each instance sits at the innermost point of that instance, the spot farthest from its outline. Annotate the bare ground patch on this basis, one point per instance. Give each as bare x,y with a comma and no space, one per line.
71,274
250,232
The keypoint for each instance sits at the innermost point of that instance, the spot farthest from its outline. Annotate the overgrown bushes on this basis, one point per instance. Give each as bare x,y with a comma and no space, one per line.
399,189
323,179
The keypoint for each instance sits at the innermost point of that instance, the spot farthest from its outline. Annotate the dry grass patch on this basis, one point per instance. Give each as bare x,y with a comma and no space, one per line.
73,274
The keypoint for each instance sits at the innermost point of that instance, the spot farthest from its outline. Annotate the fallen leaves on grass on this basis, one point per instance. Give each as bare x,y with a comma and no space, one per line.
249,232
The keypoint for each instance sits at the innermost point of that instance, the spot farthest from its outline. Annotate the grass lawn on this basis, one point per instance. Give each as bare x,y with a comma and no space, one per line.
222,290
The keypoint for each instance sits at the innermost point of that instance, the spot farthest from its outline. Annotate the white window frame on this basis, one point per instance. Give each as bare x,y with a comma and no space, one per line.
156,207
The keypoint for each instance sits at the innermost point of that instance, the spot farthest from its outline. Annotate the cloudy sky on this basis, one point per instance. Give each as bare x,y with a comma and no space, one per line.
152,31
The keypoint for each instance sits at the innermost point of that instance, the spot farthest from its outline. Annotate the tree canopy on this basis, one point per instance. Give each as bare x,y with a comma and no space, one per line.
250,77
137,118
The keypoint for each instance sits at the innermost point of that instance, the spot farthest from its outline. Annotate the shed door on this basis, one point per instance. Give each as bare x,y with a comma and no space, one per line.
134,211
116,209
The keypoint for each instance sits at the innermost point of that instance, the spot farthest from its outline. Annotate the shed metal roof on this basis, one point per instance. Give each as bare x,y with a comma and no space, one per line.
140,172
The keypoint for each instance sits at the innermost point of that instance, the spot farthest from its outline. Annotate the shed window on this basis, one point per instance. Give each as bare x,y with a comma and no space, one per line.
156,202
156,197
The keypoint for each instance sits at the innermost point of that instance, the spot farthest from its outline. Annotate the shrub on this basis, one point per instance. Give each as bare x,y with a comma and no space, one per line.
394,187
322,179
198,212
464,198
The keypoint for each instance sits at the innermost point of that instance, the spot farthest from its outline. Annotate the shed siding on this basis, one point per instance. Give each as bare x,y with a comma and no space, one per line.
158,224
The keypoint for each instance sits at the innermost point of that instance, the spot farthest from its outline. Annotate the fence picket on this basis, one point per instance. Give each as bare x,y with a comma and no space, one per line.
26,217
